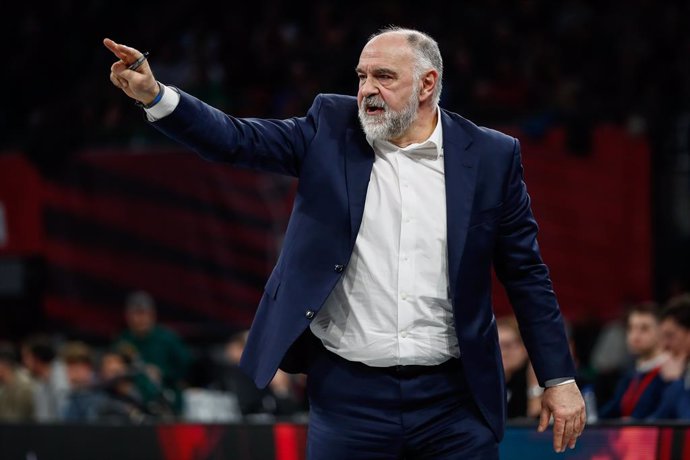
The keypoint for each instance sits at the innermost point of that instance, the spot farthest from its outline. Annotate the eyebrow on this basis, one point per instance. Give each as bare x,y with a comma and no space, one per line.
378,71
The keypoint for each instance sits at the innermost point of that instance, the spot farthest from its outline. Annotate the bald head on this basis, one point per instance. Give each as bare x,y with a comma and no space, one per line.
425,51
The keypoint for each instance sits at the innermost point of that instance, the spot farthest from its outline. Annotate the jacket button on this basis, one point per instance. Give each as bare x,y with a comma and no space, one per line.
309,314
338,268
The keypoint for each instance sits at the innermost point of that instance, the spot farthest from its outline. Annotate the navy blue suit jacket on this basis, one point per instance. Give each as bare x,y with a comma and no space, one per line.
488,216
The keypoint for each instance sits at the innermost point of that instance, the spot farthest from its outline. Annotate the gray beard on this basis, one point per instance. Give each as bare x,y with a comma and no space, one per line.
390,124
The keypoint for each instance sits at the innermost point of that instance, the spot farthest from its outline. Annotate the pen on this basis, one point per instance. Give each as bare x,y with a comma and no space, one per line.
136,64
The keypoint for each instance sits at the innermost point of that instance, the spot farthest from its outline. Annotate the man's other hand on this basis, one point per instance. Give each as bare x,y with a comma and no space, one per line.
566,405
138,84
674,367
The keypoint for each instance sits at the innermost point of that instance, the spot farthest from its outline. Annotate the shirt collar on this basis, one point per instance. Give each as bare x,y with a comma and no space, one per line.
646,366
431,147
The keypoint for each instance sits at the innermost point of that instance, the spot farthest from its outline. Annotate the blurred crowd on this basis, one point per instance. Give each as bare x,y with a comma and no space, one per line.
639,370
534,62
146,375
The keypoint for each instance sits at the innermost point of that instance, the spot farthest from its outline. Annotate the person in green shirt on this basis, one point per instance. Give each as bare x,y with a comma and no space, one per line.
158,352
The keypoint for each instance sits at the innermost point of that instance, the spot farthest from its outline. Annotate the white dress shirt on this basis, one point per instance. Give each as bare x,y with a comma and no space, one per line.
391,305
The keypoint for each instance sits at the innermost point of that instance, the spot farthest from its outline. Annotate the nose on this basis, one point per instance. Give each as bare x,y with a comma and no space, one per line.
368,88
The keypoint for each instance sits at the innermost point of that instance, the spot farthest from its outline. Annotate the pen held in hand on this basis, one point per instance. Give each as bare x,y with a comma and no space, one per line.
136,64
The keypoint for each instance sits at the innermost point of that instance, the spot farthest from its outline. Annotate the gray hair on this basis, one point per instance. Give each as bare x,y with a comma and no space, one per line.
427,54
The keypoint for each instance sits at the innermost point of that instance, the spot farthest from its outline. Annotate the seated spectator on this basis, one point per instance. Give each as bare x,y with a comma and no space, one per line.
279,398
16,394
639,392
49,378
675,403
522,389
161,352
83,400
675,335
122,401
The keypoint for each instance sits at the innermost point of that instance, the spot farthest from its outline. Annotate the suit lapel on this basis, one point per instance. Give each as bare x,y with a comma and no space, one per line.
460,163
359,159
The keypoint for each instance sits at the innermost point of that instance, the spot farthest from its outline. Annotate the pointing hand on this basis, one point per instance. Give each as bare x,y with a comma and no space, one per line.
139,84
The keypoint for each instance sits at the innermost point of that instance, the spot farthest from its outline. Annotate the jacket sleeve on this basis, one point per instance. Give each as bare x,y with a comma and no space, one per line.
525,277
277,146
669,402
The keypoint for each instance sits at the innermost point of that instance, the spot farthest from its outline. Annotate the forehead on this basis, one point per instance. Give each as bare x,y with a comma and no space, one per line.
670,324
390,50
642,317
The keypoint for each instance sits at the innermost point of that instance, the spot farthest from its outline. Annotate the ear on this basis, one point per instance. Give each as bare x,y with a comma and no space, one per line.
427,85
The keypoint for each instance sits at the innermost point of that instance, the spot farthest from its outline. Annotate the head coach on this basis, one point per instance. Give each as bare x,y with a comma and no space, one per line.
382,291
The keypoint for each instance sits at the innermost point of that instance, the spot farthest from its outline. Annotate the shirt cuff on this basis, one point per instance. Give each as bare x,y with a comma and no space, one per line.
165,106
558,382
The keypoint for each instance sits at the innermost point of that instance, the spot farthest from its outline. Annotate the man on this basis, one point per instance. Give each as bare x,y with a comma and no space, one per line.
639,392
164,357
277,398
675,402
83,400
523,393
16,393
382,293
122,402
49,378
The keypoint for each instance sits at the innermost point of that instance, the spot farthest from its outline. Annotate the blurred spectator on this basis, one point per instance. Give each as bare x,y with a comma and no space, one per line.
50,384
16,395
675,403
165,359
639,392
83,400
675,334
122,401
279,398
522,389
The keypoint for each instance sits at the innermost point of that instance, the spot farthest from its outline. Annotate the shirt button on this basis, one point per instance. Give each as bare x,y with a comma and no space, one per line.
403,296
309,314
403,334
338,268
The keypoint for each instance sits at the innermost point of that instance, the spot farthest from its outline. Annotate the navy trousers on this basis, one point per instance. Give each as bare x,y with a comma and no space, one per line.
404,412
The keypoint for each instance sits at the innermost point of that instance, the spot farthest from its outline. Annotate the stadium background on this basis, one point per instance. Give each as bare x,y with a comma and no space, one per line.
94,203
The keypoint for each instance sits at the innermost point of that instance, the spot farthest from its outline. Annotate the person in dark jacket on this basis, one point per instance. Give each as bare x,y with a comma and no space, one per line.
639,392
675,402
156,349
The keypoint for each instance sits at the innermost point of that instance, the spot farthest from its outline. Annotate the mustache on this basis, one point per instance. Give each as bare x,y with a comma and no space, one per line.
374,102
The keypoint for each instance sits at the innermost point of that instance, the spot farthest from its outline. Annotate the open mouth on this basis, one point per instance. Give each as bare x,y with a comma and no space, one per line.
371,110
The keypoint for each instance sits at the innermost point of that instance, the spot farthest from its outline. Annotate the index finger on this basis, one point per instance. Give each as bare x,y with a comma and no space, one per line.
112,46
127,54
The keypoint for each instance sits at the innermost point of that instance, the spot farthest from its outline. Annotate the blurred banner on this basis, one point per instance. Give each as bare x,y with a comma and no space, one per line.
594,217
202,237
21,230
287,441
